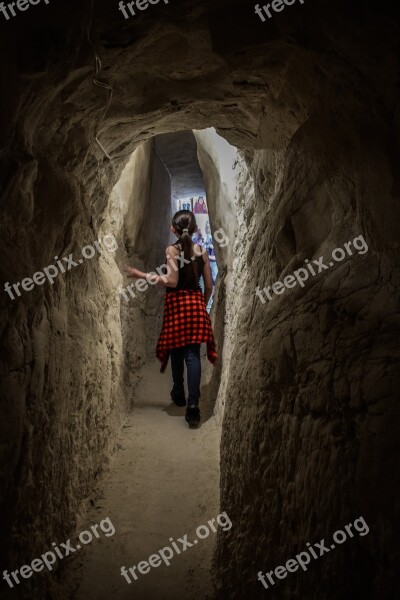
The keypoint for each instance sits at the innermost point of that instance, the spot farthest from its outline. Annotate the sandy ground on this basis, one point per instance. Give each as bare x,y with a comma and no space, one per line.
163,482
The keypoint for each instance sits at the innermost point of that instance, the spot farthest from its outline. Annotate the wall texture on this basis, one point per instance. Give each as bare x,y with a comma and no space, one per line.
230,190
140,213
75,349
310,428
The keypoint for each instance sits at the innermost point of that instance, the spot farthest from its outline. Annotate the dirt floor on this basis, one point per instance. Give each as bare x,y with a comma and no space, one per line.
163,482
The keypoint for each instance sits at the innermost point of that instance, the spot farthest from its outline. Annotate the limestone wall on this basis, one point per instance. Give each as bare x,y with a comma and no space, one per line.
73,350
310,428
142,199
230,191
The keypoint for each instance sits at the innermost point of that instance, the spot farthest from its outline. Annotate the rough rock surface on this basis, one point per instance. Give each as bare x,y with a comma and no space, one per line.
230,189
310,430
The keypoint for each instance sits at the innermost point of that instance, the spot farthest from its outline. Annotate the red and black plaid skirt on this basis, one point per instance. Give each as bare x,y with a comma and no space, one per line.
185,321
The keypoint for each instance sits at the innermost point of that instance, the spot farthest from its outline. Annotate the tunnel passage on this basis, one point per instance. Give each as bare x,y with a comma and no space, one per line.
138,216
310,379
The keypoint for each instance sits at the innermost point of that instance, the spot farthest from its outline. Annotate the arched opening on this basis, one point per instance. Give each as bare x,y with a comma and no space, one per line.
174,484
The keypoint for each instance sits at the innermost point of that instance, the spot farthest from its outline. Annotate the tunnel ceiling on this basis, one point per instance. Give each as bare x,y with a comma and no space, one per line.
170,70
179,154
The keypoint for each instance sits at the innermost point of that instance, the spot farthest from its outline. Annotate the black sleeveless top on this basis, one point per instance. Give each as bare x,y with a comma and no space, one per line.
198,263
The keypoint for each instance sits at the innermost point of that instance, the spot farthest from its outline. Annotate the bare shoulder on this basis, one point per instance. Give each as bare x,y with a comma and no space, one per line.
200,251
172,250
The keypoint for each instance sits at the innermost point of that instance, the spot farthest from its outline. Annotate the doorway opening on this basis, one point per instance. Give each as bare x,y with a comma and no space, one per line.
196,168
159,460
178,151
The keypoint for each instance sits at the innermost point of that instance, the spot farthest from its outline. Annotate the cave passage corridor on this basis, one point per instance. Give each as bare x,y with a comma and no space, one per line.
276,127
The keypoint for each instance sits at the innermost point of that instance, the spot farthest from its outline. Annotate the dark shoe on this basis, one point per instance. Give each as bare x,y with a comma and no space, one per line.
178,396
192,416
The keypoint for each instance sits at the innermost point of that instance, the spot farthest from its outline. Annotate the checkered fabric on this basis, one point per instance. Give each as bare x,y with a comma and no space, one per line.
186,321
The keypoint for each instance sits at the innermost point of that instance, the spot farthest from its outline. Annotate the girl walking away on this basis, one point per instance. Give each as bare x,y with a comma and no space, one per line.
186,323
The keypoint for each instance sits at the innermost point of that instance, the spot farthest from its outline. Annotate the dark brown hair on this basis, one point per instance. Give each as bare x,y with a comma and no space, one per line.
181,221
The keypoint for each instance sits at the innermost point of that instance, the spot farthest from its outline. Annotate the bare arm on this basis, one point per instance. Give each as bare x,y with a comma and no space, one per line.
169,280
172,277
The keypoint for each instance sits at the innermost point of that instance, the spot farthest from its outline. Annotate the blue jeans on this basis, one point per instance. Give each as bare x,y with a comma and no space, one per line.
189,354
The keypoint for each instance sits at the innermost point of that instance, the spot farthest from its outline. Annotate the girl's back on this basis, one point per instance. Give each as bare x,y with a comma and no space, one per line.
198,264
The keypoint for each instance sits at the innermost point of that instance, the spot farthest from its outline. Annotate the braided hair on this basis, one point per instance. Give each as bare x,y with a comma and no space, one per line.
184,223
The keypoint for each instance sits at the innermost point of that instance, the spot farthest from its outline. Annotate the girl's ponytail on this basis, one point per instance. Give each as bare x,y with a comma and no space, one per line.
185,225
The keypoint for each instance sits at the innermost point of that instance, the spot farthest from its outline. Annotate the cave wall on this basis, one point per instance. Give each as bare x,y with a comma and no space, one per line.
230,193
310,432
62,398
139,212
74,348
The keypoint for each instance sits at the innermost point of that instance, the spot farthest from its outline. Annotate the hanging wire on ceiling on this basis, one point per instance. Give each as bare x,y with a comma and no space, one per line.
161,158
97,82
103,85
